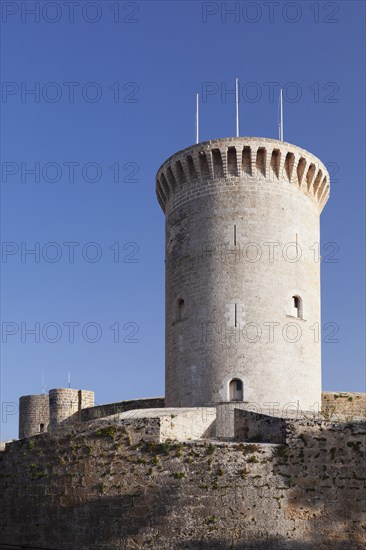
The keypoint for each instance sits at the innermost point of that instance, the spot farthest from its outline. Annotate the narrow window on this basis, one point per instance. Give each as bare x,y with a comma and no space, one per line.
236,390
41,428
180,309
235,315
234,235
297,307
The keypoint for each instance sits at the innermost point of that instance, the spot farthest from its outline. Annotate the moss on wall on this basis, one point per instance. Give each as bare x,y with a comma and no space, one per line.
91,489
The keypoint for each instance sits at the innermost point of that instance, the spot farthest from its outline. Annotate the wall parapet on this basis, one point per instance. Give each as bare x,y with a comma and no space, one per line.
197,494
100,411
243,157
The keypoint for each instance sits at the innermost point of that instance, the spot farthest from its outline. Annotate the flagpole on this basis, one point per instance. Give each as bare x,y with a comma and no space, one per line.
197,118
237,105
281,116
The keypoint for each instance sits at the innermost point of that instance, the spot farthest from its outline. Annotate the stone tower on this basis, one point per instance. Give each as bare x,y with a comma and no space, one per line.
33,415
42,413
243,273
66,404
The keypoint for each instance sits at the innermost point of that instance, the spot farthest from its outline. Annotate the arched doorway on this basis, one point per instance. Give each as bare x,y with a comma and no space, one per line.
236,391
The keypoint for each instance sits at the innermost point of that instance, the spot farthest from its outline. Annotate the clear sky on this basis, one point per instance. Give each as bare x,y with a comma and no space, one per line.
114,88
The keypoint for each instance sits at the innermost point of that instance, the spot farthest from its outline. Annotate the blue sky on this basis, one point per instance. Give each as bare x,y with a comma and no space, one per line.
114,97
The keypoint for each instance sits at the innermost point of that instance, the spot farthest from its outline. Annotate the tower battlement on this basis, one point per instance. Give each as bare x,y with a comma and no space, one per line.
181,176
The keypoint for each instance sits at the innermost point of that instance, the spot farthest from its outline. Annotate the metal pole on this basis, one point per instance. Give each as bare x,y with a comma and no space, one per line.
237,105
197,119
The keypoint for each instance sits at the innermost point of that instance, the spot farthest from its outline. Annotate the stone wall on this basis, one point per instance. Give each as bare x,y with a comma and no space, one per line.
350,404
94,489
186,424
225,418
86,399
108,409
250,426
225,428
165,424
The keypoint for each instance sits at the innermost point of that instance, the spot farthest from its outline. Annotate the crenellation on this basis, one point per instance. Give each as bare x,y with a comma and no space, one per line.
265,157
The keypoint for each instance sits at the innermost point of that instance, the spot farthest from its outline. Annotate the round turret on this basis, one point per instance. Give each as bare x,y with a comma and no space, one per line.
66,403
33,415
243,273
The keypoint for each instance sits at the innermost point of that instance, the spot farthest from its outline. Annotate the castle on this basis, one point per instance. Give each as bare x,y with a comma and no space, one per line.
242,280
244,450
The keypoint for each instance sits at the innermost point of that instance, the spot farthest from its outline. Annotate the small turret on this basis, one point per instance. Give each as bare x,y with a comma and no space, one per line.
40,413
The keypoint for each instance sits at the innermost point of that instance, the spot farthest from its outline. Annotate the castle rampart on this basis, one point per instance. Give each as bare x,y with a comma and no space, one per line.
108,409
104,489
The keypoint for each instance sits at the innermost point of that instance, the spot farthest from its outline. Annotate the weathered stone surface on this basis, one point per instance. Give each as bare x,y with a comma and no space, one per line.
250,426
242,227
34,415
38,413
348,404
92,489
100,411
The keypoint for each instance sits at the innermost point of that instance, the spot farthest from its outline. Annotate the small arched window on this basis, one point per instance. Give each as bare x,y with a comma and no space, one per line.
297,307
236,390
41,428
180,309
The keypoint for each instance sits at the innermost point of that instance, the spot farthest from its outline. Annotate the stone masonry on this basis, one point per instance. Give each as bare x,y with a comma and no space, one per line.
242,275
244,451
38,413
33,414
101,486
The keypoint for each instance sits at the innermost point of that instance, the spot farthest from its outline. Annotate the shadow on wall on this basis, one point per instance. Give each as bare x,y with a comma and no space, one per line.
321,474
269,544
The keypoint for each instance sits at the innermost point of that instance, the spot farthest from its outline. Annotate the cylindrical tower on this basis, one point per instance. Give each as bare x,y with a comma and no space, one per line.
66,403
33,415
243,273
